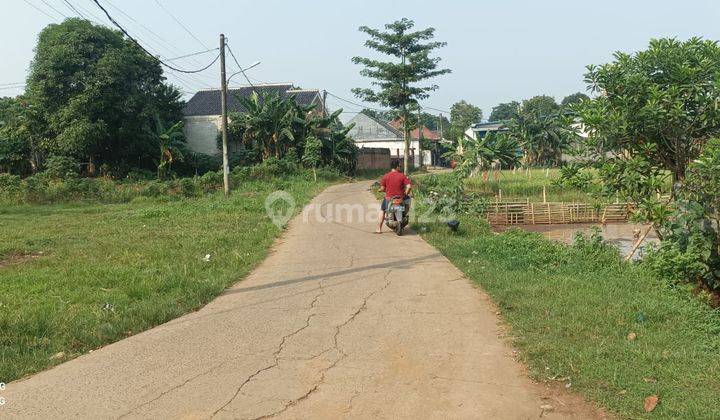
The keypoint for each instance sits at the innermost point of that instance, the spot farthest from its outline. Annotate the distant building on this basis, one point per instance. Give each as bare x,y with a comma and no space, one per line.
202,114
480,130
376,133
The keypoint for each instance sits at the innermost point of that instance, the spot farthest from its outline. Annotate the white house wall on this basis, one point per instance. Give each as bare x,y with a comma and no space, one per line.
201,133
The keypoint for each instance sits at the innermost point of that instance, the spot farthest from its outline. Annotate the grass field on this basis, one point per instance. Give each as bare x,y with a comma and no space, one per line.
522,185
76,276
571,312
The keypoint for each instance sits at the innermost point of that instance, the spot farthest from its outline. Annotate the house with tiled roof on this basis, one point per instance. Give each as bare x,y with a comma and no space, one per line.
425,133
202,113
369,132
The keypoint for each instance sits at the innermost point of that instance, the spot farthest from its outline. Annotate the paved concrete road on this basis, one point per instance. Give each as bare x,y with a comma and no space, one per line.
336,323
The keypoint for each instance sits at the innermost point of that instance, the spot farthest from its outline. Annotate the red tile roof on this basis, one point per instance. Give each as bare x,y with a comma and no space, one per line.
426,132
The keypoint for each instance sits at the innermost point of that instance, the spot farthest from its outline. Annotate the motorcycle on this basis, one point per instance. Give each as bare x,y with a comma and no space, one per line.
397,214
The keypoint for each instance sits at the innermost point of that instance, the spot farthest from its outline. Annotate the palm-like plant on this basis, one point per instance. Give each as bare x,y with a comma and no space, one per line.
482,153
543,138
172,146
271,123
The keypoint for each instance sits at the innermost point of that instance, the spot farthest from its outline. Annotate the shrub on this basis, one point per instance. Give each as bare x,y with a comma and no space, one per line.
10,186
61,167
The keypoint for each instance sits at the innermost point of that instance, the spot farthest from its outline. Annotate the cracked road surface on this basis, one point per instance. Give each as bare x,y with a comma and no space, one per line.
337,322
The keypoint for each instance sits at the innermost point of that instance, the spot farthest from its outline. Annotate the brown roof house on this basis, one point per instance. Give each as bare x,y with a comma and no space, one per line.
202,115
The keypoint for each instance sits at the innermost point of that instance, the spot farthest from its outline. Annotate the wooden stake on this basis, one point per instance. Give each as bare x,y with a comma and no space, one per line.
629,256
544,194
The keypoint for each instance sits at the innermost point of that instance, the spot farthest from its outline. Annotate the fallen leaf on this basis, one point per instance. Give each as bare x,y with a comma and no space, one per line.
57,356
547,407
651,402
650,380
632,336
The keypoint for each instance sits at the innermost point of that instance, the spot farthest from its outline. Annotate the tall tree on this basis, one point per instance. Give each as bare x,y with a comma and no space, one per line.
659,105
380,115
575,98
98,95
505,111
462,116
539,106
397,83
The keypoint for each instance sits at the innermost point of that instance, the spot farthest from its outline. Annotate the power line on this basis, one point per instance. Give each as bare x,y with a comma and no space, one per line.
41,10
165,43
89,13
181,25
192,55
117,25
162,43
383,110
53,8
73,9
355,103
239,66
434,109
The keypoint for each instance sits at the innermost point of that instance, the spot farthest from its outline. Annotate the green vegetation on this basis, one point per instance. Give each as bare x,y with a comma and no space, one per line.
515,186
656,116
80,275
526,184
397,81
582,316
92,95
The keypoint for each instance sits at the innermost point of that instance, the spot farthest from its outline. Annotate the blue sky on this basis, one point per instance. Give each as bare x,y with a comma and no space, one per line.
498,50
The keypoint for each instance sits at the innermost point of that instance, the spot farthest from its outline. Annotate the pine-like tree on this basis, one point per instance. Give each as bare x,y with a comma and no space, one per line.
396,82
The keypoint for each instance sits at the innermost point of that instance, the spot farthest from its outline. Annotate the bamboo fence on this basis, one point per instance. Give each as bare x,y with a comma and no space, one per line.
528,213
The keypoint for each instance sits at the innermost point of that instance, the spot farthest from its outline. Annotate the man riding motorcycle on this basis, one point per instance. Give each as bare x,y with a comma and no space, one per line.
394,184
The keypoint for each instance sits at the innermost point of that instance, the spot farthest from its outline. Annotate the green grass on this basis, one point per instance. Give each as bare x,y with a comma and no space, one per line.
570,310
523,185
74,277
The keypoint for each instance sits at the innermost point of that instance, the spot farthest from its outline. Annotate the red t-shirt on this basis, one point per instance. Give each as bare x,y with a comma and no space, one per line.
394,183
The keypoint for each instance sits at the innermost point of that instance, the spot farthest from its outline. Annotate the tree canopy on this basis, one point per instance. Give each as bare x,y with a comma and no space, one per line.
401,82
540,106
659,105
97,96
505,111
575,98
462,116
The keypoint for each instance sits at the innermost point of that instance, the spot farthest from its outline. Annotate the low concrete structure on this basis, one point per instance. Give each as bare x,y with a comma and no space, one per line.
375,133
373,158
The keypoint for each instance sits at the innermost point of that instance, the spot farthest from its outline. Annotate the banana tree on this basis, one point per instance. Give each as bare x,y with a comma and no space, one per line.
269,123
172,146
481,154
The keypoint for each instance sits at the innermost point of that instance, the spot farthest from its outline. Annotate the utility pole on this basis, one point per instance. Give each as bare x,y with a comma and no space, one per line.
420,137
442,137
224,122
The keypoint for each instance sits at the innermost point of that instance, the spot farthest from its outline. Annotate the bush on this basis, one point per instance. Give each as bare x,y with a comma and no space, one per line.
61,167
10,186
689,248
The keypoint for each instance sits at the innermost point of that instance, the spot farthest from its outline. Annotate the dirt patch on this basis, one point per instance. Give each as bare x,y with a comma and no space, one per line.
16,258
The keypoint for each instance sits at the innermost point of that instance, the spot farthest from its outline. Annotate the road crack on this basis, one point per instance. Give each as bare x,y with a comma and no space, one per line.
276,354
343,354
